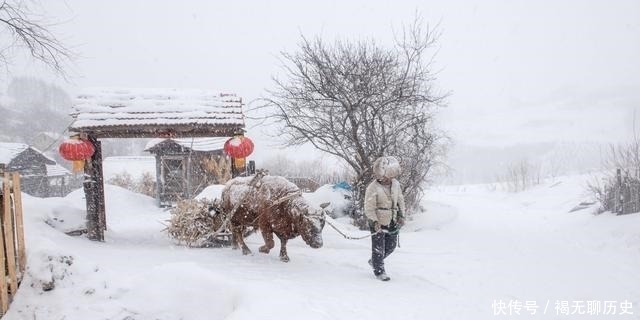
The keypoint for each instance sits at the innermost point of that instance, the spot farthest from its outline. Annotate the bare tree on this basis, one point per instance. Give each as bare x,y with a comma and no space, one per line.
32,34
359,101
520,176
624,156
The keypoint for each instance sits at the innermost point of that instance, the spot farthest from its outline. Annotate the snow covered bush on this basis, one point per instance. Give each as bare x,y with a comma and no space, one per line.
339,199
124,180
50,270
145,184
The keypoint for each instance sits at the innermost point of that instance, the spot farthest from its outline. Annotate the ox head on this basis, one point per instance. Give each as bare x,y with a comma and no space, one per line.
311,222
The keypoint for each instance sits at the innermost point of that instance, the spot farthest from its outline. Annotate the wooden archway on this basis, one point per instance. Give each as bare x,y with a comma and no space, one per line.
102,113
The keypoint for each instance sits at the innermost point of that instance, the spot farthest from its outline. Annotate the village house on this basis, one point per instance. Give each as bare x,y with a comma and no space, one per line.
40,175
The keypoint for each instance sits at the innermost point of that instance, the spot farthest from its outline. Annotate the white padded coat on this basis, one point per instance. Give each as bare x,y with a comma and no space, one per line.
381,204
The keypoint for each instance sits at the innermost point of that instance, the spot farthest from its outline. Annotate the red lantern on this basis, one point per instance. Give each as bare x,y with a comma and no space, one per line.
238,147
76,149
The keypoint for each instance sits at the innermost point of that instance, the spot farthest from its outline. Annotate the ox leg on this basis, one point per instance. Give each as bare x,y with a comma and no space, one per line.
234,241
239,239
267,235
284,257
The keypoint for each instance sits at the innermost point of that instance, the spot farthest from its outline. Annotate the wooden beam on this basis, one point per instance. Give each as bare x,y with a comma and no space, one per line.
159,131
17,200
9,239
4,294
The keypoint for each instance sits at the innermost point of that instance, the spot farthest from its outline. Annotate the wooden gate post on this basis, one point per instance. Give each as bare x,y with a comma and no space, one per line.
97,164
6,206
94,194
9,239
17,200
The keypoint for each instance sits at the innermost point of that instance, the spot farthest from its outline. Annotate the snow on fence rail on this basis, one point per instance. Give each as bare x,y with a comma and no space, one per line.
12,248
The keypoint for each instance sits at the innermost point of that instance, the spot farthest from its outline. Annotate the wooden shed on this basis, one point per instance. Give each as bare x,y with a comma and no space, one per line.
146,113
62,181
184,167
30,163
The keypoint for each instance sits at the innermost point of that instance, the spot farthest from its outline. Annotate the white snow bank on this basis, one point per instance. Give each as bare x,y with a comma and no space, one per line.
211,192
182,290
338,199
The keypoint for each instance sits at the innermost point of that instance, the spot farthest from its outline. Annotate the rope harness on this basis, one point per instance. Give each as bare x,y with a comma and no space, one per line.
351,237
348,237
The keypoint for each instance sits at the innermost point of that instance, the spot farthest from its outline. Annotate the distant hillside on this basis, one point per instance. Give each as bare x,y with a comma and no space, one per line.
563,133
32,107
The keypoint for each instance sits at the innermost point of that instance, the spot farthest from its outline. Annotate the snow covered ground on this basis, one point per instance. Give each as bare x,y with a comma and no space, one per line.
476,253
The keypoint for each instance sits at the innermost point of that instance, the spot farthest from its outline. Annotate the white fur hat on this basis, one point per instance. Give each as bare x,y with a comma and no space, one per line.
386,167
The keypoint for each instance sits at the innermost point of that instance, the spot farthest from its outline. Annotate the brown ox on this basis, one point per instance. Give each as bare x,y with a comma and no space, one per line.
275,206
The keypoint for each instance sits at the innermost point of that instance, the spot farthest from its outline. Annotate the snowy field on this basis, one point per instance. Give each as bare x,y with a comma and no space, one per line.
475,254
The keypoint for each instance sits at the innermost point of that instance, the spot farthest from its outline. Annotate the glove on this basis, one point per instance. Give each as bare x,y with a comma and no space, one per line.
400,222
376,226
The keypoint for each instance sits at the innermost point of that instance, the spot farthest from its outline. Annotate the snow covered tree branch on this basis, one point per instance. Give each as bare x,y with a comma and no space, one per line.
31,34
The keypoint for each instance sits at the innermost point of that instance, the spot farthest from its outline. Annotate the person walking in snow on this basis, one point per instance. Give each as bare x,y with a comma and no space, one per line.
384,208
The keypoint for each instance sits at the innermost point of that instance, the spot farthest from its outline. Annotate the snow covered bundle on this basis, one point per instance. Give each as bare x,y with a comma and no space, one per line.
194,222
386,167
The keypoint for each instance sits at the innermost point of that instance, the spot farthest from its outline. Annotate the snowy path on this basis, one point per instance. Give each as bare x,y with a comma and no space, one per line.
471,248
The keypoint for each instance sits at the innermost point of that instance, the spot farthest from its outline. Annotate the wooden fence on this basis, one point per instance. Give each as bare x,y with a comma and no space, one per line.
305,184
12,249
622,196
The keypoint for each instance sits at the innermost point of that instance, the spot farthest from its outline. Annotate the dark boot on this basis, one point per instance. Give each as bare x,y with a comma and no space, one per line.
383,277
377,253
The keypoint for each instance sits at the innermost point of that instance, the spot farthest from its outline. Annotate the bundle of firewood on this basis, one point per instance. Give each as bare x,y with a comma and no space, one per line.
195,222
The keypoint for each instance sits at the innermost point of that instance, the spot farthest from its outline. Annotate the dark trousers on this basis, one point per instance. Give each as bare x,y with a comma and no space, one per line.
382,245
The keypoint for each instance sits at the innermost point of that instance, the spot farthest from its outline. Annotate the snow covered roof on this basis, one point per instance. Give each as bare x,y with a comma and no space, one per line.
56,170
10,150
124,112
195,144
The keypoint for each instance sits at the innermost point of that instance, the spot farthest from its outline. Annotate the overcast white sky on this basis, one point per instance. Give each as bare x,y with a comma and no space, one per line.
540,69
